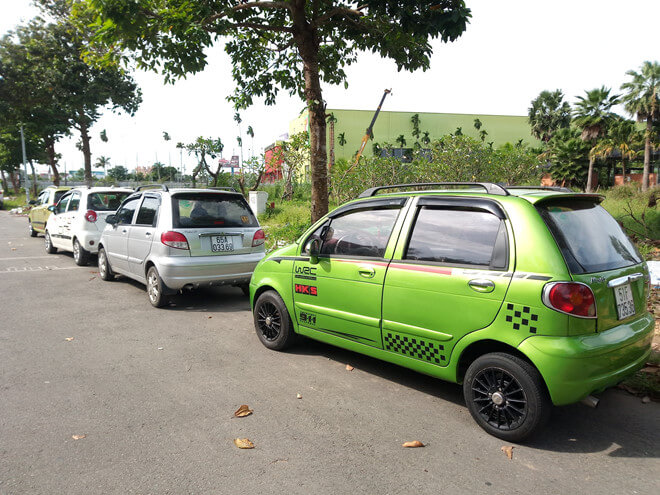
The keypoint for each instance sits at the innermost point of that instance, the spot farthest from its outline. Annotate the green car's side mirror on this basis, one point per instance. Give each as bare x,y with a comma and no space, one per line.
314,251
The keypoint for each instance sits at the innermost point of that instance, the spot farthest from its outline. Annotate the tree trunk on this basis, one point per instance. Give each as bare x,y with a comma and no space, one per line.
647,153
52,160
15,182
623,168
307,42
592,159
84,136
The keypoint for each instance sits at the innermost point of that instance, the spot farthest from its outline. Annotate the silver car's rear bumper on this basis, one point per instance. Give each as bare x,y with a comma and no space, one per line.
179,271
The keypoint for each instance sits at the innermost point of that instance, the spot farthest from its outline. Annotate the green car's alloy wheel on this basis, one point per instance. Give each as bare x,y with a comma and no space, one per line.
31,231
506,396
49,245
272,322
104,266
155,288
80,254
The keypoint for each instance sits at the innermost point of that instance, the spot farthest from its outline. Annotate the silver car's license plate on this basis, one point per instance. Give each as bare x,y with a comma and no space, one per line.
222,243
625,304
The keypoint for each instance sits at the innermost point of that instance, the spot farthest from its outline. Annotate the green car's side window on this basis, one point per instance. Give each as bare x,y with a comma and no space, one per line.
458,237
358,233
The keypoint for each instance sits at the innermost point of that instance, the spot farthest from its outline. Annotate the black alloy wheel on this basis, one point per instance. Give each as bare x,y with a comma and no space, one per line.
272,322
506,396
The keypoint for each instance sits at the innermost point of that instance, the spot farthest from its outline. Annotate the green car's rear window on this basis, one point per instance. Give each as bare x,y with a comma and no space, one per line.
589,238
207,210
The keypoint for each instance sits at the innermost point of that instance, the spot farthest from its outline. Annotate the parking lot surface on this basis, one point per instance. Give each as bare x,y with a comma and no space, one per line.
153,392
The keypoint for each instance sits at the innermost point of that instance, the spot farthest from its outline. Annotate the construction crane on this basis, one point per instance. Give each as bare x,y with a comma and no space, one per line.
370,130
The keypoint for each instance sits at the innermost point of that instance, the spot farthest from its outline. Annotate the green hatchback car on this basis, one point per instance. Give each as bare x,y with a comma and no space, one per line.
529,297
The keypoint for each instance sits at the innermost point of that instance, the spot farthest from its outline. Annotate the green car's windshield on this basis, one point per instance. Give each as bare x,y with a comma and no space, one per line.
589,238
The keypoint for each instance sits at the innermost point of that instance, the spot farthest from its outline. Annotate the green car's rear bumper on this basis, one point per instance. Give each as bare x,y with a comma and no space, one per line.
574,367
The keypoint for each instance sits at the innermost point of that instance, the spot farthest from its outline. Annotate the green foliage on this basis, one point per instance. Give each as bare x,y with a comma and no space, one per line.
642,97
630,206
118,173
593,113
568,155
548,113
450,159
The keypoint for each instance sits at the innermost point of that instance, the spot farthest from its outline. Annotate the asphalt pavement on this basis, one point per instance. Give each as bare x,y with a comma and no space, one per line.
153,392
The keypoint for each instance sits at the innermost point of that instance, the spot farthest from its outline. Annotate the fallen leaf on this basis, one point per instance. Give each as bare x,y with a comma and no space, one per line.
243,443
160,348
13,249
413,445
91,279
646,399
69,339
78,437
508,450
243,411
210,317
349,367
298,396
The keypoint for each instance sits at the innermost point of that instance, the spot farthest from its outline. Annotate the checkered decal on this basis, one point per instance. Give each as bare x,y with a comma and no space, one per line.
521,317
414,347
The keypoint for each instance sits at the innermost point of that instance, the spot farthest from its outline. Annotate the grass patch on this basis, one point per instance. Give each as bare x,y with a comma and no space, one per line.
638,214
14,201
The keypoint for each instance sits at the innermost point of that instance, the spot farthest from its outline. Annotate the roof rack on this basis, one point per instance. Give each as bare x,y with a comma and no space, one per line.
217,188
490,187
145,186
542,188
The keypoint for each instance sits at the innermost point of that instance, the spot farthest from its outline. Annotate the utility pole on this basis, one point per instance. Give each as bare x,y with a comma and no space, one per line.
27,182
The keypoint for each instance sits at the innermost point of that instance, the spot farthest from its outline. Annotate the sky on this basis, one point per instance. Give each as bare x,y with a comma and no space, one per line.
510,52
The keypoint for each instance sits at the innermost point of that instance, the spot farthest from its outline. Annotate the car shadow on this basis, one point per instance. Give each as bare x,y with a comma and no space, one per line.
622,425
221,299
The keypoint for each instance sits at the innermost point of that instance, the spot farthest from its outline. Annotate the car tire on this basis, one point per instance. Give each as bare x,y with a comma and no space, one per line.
31,231
105,270
156,288
506,396
272,322
80,254
50,249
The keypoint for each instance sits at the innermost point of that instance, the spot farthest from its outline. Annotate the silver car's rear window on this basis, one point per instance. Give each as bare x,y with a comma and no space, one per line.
590,239
206,210
106,201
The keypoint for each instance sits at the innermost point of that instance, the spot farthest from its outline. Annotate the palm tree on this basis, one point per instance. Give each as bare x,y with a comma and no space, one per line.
102,162
643,101
623,137
593,115
547,114
250,132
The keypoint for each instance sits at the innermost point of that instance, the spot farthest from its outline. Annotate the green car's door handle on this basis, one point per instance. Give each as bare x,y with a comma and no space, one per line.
367,271
482,285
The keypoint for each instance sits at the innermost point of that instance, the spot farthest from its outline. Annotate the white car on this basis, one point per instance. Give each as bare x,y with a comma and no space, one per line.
78,220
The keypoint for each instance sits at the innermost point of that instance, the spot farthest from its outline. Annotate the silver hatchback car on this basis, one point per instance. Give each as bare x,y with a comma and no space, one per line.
171,239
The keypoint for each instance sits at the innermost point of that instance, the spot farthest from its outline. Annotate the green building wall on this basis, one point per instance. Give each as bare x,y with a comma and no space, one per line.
390,125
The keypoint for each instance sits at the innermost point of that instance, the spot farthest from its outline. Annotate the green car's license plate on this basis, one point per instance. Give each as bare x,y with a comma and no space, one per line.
625,304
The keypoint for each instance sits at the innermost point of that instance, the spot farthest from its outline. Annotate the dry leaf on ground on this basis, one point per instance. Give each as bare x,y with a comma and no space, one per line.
243,411
78,437
298,396
508,450
349,367
414,444
68,339
210,317
243,443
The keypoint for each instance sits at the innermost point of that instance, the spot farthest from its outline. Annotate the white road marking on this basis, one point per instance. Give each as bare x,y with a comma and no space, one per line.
25,269
25,258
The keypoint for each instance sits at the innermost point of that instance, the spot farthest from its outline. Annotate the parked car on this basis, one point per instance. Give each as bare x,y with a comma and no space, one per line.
39,213
528,297
78,220
171,239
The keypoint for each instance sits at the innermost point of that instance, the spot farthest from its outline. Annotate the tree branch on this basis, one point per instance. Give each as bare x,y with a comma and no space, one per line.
243,6
350,13
254,25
